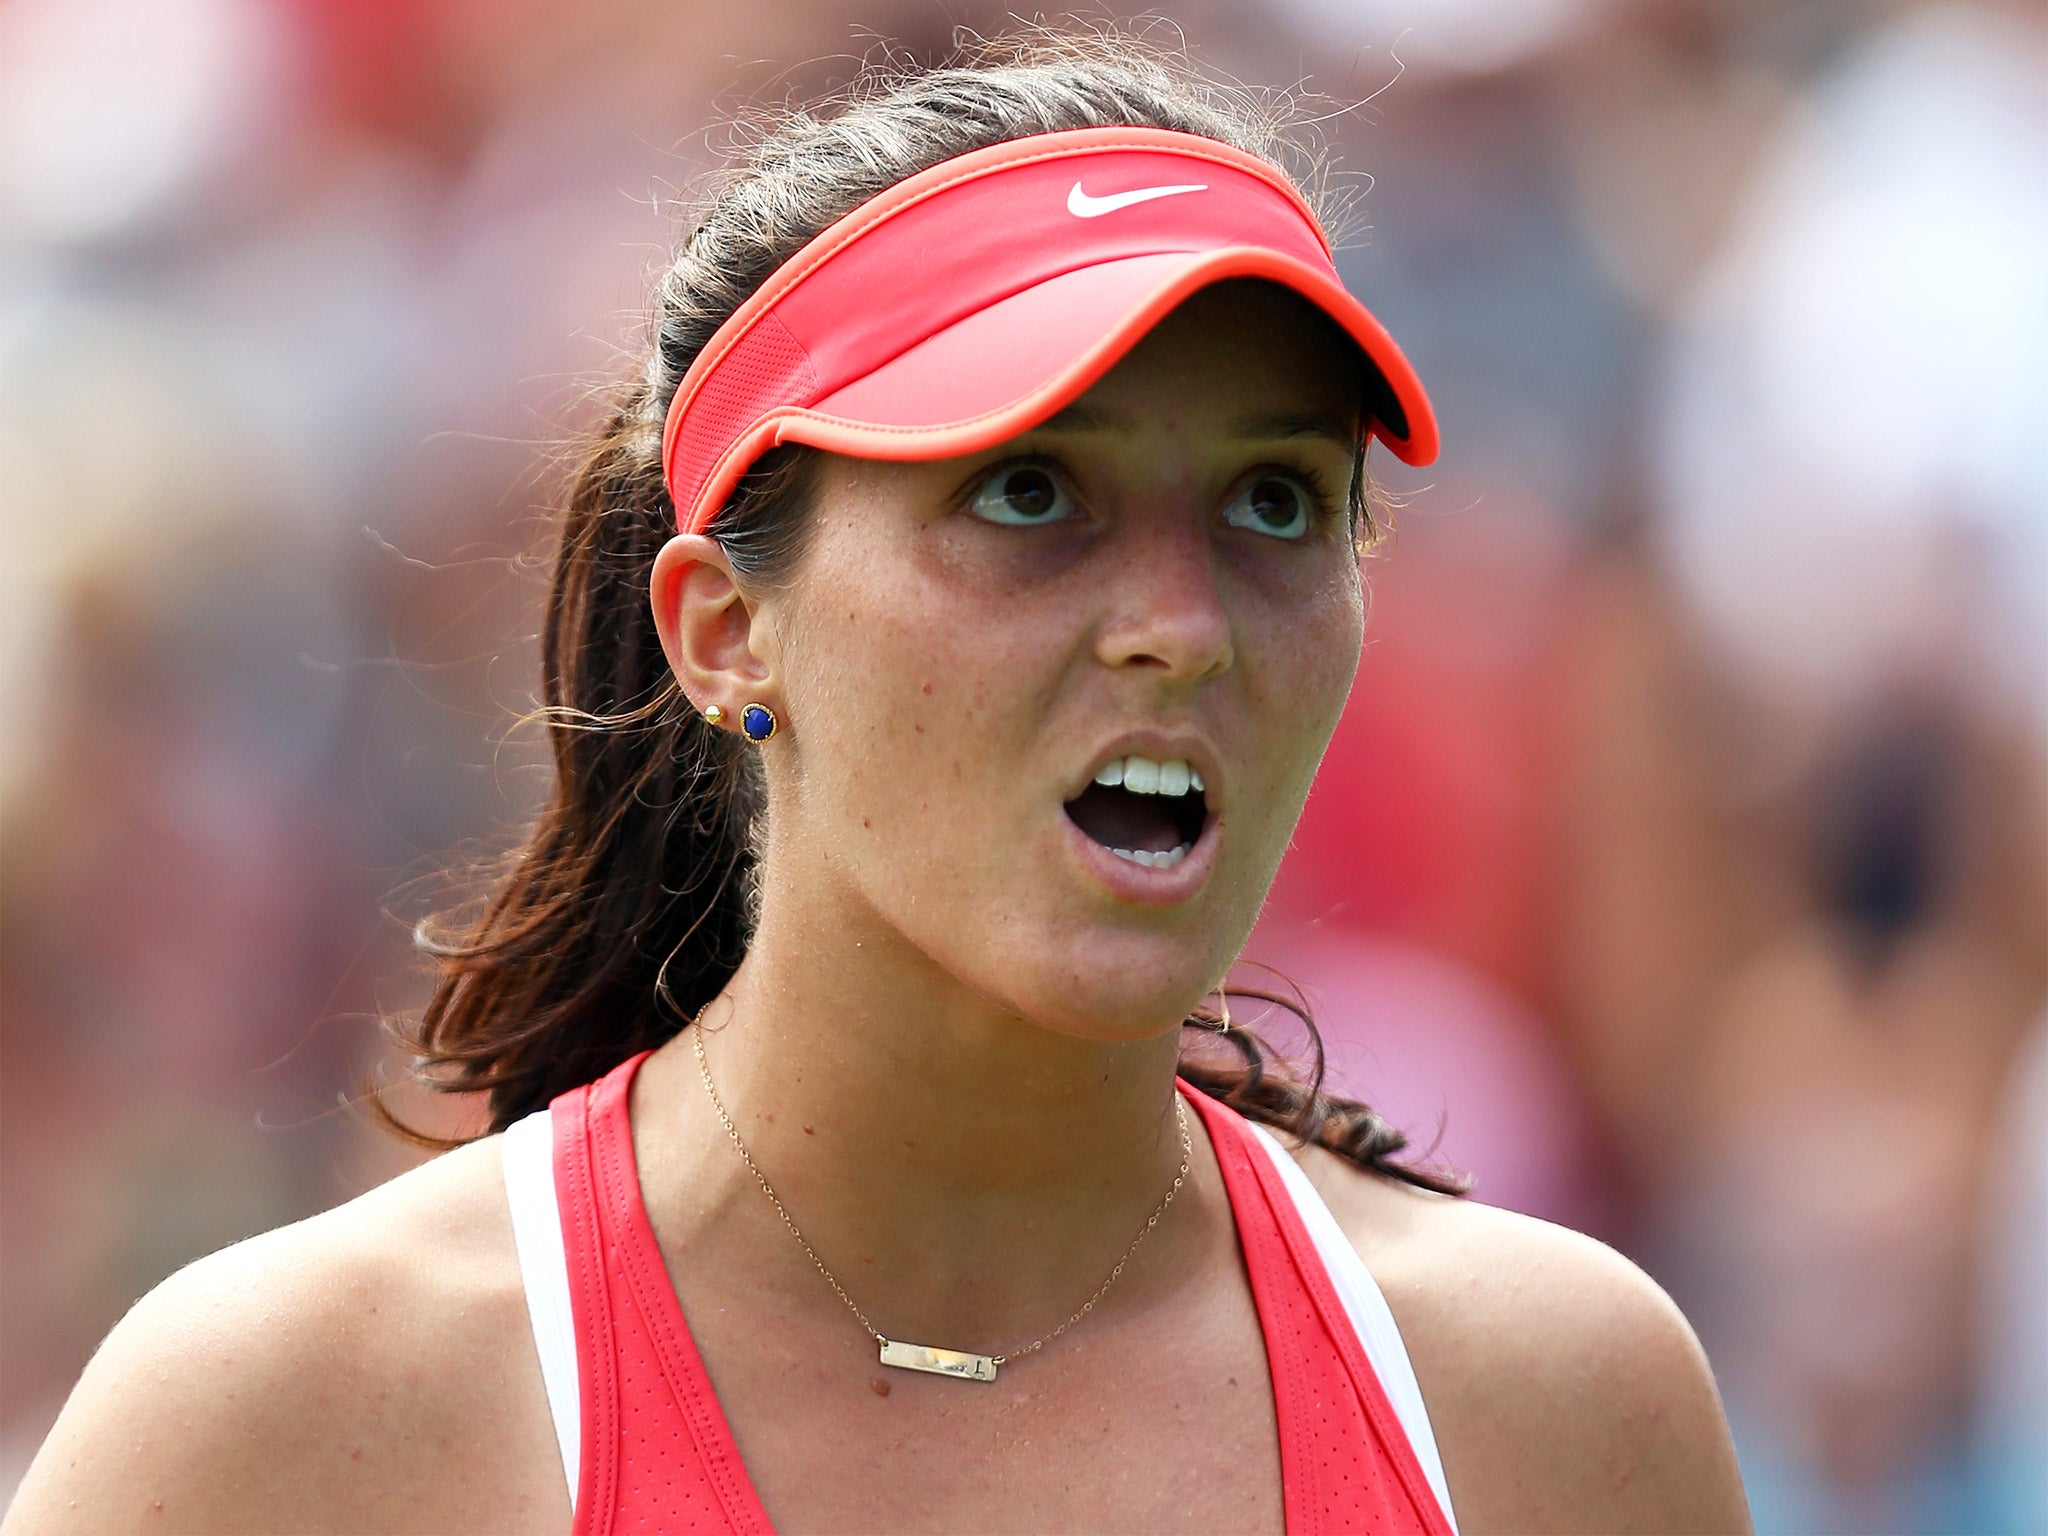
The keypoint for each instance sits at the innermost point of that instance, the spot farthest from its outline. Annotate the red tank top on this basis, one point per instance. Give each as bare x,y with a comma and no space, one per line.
657,1455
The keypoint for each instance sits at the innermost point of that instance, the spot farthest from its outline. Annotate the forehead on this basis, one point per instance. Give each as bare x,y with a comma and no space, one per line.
1237,362
1238,348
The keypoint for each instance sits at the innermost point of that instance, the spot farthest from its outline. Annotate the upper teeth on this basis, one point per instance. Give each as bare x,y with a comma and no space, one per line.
1142,776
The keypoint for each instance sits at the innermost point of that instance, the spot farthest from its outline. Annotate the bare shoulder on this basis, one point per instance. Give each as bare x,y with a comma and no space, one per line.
1566,1390
362,1369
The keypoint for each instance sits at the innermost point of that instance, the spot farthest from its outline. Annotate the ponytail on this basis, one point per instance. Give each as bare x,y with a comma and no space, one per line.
626,909
632,899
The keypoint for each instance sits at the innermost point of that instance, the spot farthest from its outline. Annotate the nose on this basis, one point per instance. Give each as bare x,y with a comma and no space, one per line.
1166,612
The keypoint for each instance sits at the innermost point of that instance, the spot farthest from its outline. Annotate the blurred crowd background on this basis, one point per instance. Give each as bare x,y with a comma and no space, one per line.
1680,868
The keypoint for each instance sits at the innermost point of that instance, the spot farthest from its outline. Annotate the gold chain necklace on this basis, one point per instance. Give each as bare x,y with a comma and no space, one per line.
960,1363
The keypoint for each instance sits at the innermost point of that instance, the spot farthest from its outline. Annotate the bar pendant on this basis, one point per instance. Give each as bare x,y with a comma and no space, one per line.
940,1362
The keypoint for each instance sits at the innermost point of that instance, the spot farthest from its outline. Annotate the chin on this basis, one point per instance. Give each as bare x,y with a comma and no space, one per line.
1111,1028
1119,999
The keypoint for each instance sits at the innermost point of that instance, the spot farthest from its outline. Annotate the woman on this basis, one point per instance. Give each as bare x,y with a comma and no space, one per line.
942,640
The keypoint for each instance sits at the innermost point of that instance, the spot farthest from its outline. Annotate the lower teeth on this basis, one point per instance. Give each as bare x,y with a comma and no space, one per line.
1154,860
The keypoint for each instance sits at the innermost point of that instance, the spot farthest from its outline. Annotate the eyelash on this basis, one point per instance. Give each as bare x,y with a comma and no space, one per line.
1311,479
1315,482
964,497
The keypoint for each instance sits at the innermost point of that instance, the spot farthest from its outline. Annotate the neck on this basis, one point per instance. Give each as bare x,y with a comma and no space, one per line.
963,1164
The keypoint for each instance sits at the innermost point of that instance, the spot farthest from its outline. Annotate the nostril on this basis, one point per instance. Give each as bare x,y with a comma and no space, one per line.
1193,653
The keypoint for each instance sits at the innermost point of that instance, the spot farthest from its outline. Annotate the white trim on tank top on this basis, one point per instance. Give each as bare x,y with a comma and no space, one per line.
1371,1318
544,1267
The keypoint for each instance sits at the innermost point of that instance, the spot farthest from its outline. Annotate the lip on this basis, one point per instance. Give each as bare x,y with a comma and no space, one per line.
1140,884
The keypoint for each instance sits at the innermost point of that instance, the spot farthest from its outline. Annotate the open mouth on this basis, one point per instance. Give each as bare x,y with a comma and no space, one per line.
1143,811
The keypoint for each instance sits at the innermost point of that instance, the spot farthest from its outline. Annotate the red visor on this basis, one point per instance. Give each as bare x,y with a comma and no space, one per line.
967,304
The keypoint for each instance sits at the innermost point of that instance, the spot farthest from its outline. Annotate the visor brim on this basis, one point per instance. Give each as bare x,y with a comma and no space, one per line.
1004,369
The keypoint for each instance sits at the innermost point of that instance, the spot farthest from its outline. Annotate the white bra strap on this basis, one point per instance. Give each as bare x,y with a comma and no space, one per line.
1371,1319
529,1147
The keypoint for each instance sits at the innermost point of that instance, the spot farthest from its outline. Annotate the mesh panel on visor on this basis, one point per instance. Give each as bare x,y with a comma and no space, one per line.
768,362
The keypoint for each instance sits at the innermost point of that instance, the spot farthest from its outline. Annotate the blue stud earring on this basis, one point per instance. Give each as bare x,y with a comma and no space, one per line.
758,721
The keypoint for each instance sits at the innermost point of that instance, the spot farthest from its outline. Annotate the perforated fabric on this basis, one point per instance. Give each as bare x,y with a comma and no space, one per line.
1345,1460
769,363
1372,1320
657,1454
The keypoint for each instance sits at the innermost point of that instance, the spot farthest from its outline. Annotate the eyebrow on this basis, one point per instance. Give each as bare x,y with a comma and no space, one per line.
1279,427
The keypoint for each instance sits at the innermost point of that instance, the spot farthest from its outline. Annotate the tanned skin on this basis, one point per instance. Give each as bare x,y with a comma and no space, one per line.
952,1046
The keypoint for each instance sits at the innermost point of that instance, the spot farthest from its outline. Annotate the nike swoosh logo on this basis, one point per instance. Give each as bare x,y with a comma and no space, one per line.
1082,206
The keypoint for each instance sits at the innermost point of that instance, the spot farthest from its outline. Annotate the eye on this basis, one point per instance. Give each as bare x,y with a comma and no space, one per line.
1021,496
1279,505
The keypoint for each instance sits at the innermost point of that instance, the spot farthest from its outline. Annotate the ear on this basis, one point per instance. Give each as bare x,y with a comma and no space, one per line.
714,640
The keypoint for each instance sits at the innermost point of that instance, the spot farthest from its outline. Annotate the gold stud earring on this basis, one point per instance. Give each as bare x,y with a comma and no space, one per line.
713,713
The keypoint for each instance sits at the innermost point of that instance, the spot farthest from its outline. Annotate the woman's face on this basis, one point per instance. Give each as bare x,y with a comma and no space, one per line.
1159,584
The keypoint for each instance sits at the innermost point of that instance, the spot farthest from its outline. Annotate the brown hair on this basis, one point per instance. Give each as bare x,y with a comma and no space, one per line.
631,901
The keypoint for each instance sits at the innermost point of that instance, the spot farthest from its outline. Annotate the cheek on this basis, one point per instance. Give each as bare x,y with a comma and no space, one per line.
1329,659
1299,661
912,706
